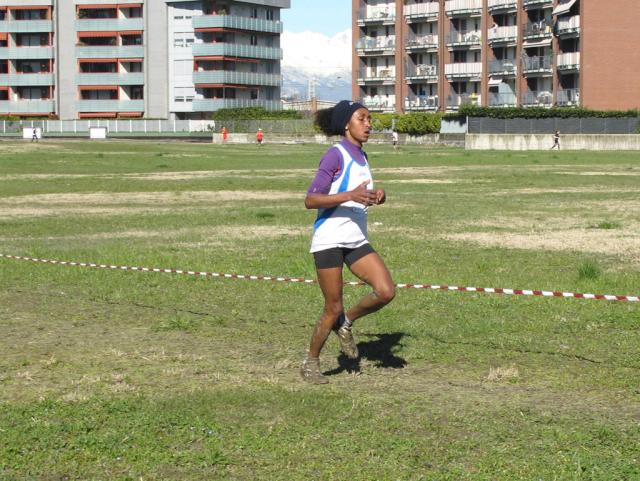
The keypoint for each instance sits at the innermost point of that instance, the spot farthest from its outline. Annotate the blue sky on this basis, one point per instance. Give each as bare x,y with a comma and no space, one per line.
323,16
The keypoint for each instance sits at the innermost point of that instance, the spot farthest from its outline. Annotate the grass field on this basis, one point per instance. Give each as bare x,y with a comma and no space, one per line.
111,375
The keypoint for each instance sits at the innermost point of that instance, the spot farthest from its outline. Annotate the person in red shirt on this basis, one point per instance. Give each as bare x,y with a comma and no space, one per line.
224,135
259,136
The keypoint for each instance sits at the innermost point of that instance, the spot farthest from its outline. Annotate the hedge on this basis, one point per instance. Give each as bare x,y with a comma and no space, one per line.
255,113
412,123
538,113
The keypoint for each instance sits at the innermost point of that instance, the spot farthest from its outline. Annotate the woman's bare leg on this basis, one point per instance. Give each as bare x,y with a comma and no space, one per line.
330,281
372,270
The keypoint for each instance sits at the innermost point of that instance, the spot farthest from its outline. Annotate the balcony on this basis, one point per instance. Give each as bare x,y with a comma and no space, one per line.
496,6
25,106
464,70
421,103
109,24
26,53
567,62
110,105
542,98
416,43
111,51
568,97
26,26
537,66
27,79
377,15
422,72
499,99
237,23
568,26
466,8
236,50
242,78
377,75
380,103
506,67
211,105
376,45
502,35
471,38
537,30
455,101
134,78
421,11
534,4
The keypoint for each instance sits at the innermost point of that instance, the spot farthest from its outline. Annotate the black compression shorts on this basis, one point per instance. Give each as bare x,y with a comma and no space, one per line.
336,256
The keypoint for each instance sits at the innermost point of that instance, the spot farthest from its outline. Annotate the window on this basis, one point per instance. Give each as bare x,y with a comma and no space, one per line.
183,39
254,40
254,13
270,14
254,94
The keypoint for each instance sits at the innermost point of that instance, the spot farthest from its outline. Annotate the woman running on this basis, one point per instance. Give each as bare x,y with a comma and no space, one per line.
342,191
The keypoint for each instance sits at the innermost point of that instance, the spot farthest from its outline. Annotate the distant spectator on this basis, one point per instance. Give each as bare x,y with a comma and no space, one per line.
394,140
259,136
34,135
556,140
224,135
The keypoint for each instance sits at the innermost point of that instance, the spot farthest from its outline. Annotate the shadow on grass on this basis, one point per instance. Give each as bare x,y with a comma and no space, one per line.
378,350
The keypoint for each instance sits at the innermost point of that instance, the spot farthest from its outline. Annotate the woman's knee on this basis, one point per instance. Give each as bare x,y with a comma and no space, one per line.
386,293
333,309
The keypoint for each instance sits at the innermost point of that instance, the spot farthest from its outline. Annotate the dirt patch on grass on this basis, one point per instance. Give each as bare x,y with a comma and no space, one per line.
614,242
210,174
419,181
564,190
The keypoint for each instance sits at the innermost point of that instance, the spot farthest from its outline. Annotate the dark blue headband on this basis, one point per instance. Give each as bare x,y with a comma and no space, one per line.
341,115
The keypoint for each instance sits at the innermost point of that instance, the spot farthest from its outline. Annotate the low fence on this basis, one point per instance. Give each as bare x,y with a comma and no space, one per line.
545,142
587,125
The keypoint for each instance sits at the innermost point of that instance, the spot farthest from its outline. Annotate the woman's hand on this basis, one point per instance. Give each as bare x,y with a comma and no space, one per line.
362,195
381,196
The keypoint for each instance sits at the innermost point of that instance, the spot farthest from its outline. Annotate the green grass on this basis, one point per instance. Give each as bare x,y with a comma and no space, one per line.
127,375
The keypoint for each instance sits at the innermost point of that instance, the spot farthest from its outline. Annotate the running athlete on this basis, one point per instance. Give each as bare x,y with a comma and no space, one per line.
342,191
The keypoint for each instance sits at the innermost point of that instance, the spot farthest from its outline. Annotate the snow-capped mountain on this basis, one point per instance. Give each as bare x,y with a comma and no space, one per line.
311,57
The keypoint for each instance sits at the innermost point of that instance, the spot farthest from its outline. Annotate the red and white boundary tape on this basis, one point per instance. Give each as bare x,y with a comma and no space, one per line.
488,290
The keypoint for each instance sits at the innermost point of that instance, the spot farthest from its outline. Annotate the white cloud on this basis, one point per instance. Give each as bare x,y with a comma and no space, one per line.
315,53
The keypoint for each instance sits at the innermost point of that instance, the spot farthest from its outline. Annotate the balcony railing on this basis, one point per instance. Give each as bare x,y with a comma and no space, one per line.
26,26
568,61
421,102
111,51
422,71
463,70
238,23
454,101
568,25
26,52
133,78
419,11
421,42
568,97
210,105
537,64
507,99
463,7
27,106
540,29
110,105
542,98
377,74
530,4
467,39
503,67
379,102
496,5
26,79
377,14
502,34
109,24
242,78
236,50
376,43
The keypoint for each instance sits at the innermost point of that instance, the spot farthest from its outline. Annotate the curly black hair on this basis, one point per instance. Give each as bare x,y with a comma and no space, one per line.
323,121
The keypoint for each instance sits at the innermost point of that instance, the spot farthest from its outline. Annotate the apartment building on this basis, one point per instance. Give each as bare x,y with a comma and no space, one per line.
435,55
138,58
